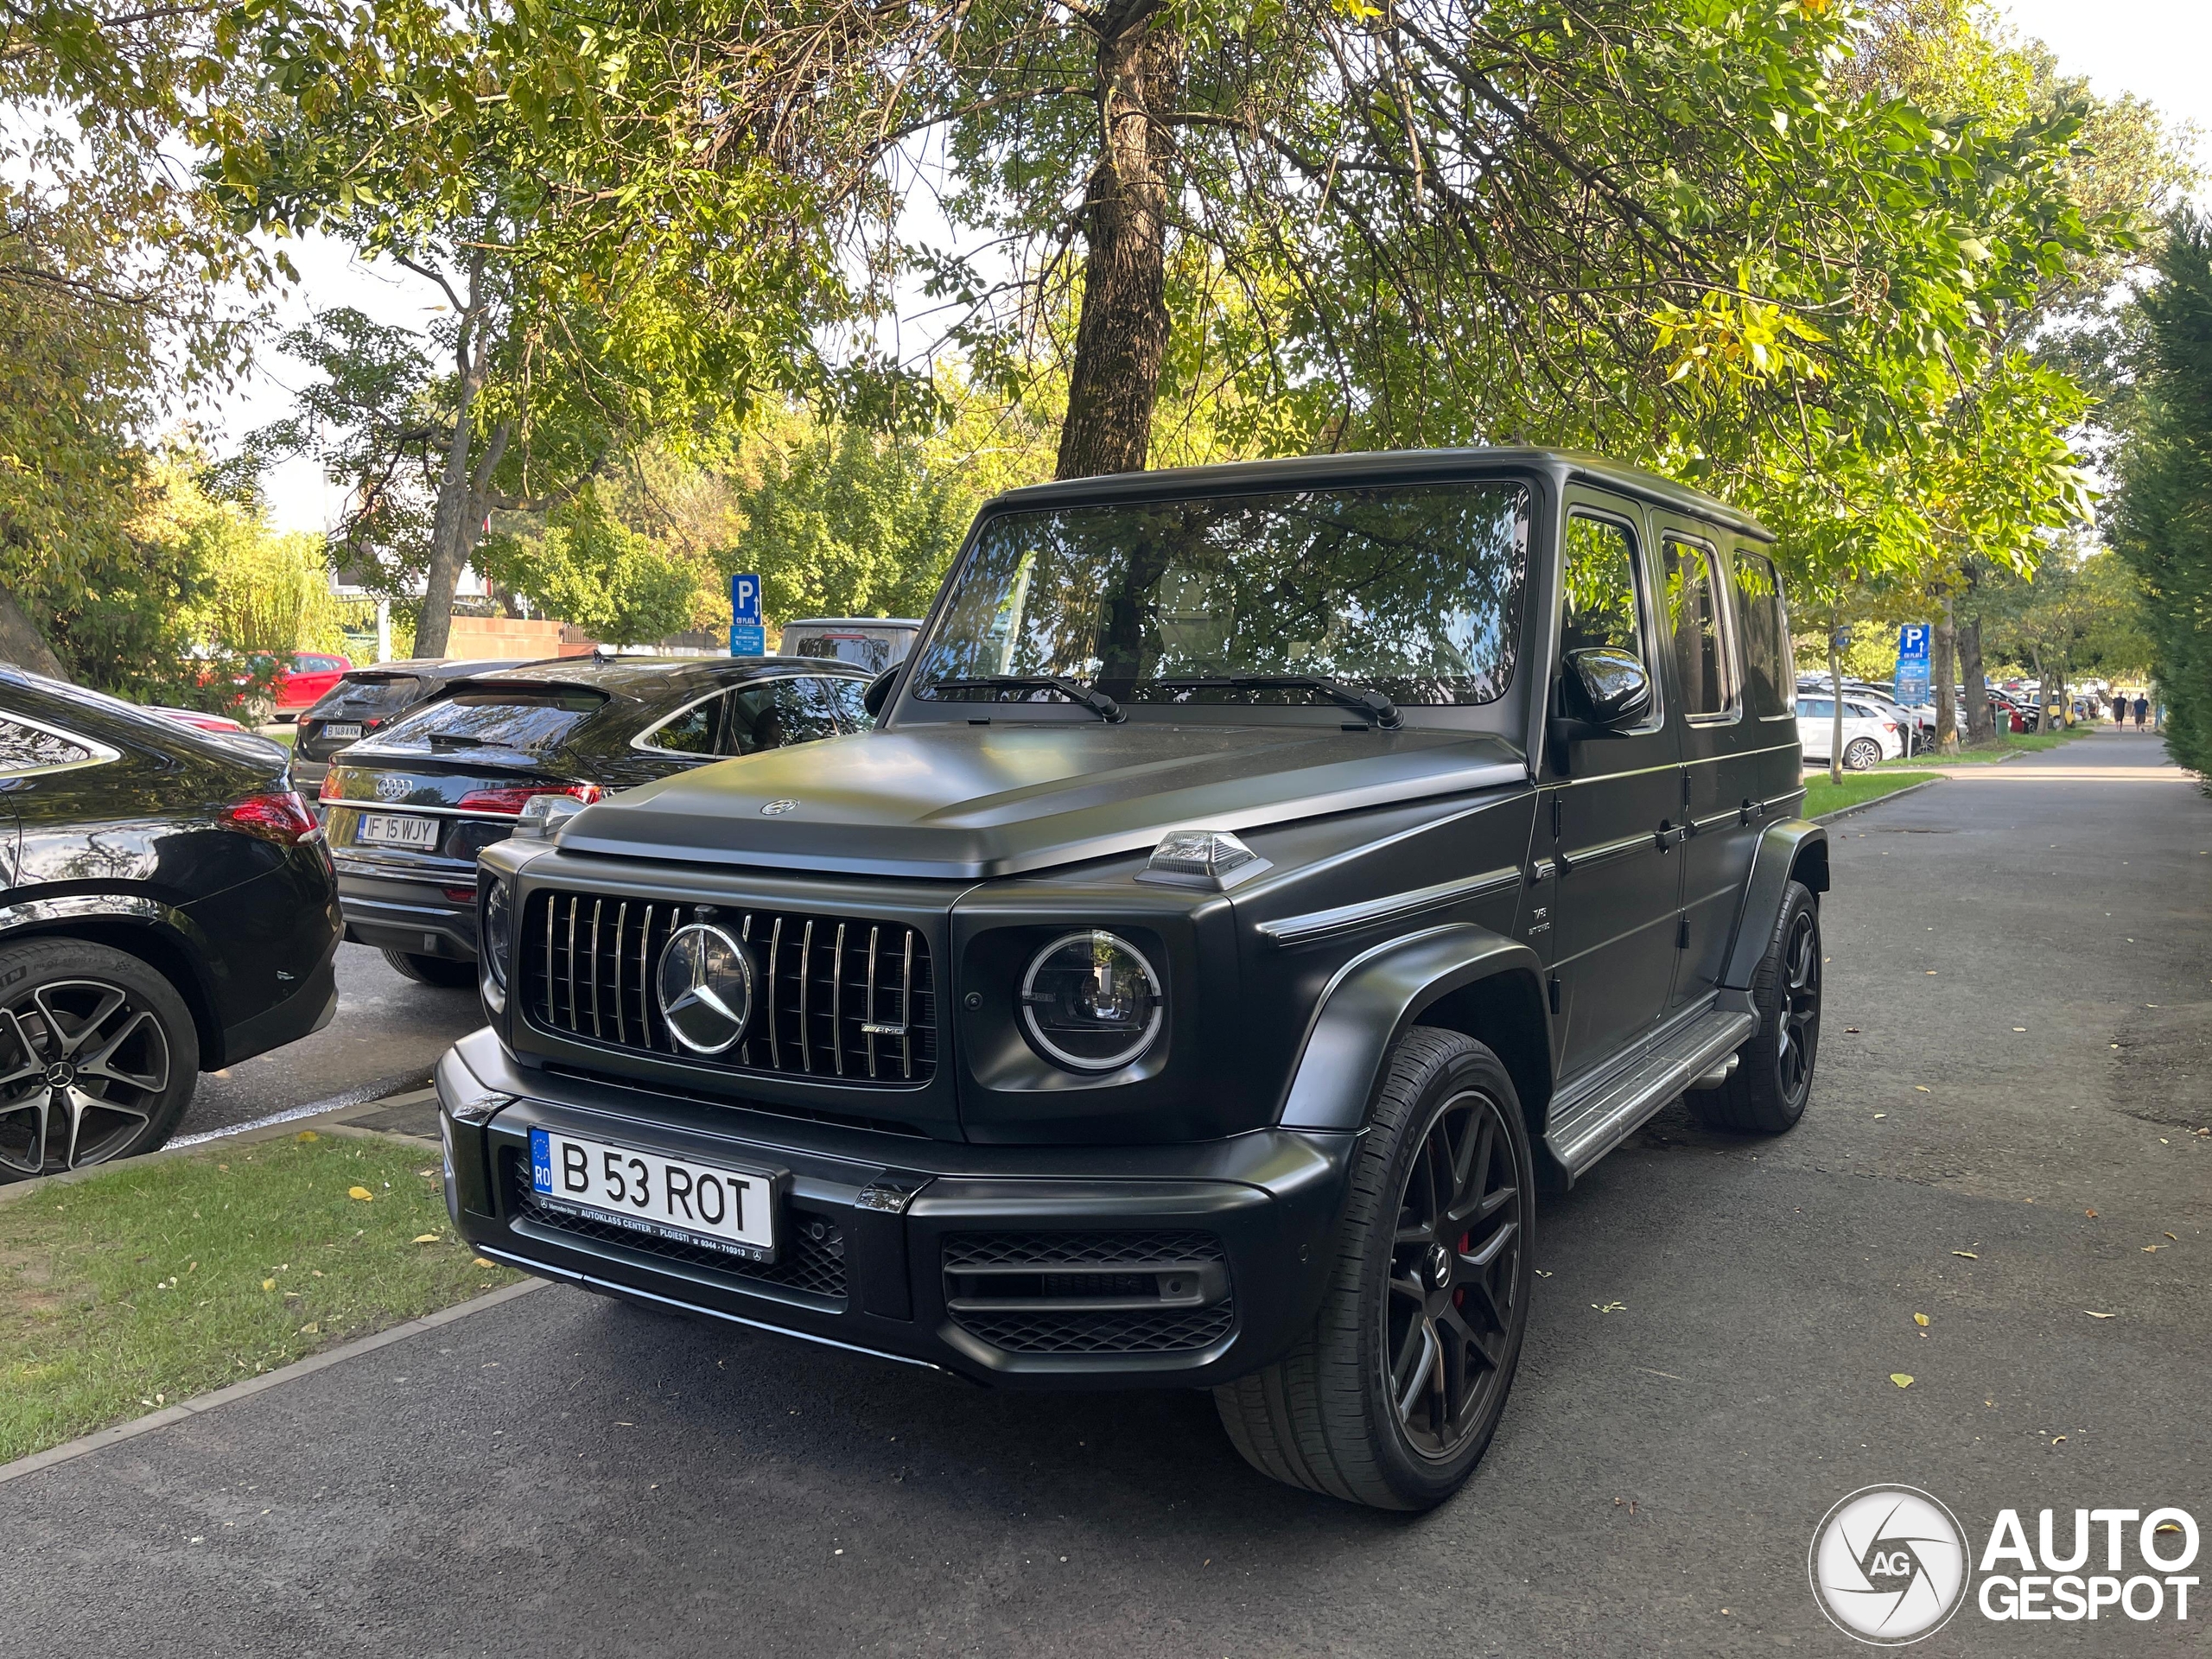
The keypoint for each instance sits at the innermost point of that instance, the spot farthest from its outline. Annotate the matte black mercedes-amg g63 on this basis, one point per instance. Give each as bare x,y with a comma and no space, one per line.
1263,881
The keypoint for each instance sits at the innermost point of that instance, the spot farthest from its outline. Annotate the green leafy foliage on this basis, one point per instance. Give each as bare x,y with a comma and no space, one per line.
2162,523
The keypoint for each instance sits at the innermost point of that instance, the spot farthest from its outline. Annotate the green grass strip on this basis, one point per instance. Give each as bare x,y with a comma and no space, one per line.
160,1280
1856,790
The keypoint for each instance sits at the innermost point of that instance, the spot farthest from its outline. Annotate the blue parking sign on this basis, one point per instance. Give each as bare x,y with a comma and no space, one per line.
1912,642
1912,662
747,637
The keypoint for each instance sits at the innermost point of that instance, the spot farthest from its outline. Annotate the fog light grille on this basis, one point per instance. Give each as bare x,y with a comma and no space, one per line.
1088,1292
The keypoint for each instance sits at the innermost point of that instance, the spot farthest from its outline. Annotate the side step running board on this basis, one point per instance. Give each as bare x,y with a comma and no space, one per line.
1591,1121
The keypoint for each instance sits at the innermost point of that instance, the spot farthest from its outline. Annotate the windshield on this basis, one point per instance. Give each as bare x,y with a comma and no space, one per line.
1413,590
535,722
872,649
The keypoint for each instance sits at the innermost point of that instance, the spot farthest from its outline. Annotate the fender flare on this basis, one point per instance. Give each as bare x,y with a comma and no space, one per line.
1368,1005
1782,848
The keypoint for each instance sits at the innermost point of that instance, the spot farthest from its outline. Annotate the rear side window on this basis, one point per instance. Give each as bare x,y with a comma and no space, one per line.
1765,628
781,714
1693,618
26,749
1816,707
531,722
845,695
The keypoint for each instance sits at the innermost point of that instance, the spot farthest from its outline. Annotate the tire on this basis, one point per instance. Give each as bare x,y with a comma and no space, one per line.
98,1057
1326,1416
1861,754
433,971
1773,1079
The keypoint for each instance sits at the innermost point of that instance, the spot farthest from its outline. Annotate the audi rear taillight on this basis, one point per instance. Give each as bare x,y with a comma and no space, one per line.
279,815
511,802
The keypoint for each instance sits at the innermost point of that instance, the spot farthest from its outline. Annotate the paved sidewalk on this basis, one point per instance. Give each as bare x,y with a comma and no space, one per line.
2019,1034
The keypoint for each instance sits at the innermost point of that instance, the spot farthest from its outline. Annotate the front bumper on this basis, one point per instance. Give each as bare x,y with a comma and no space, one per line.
394,913
1059,1267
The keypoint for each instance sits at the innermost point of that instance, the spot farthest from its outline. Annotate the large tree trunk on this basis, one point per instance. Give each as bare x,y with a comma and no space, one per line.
1982,725
457,524
1944,676
21,644
1121,340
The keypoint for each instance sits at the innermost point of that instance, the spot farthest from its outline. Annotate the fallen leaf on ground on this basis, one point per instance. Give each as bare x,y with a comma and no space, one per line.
269,1284
2093,1314
1920,1318
360,1192
312,1328
1852,1030
1923,1088
1969,1255
306,1134
2152,1249
1880,1116
2177,1240
1903,1379
480,1263
2091,1214
1609,1307
424,1238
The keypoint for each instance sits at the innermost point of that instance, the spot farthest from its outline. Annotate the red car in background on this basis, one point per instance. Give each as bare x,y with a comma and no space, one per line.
309,678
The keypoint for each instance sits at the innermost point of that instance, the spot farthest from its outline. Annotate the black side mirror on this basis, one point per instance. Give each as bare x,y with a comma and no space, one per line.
1608,689
877,697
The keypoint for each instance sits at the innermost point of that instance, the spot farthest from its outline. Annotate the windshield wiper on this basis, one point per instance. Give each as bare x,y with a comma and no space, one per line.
1097,702
1364,699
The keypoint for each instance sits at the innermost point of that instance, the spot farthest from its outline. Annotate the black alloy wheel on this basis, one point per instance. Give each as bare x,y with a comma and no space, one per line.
1767,1092
97,1059
1797,1033
1392,1394
1448,1308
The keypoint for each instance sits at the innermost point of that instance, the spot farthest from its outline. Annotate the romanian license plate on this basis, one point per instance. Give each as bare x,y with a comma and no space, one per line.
342,731
729,1210
394,829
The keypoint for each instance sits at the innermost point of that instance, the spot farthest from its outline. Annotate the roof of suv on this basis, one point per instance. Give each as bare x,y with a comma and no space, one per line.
1385,465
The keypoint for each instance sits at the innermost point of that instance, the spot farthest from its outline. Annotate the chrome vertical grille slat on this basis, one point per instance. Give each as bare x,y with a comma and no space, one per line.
905,1018
621,919
806,973
867,1007
581,951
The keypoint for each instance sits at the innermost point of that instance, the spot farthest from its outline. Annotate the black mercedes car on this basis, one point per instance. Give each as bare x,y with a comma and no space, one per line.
170,909
1263,881
409,808
365,700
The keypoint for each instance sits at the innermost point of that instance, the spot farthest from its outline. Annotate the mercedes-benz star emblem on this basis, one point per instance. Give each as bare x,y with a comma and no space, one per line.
776,809
705,986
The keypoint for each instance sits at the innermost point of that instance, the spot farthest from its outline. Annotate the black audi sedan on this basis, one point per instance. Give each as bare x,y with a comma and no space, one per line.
171,908
409,809
366,700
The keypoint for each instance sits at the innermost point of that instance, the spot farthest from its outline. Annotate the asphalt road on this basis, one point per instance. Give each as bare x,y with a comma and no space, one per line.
388,1034
2026,965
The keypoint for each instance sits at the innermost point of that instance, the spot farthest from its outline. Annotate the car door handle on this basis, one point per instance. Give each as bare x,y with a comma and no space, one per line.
1668,835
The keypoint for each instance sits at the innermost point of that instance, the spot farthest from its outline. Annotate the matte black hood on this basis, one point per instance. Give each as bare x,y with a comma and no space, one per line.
966,802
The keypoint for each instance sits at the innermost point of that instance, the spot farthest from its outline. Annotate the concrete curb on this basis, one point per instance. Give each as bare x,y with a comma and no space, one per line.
1880,800
185,1410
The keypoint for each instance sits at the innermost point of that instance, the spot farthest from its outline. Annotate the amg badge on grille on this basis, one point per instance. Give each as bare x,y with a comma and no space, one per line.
705,986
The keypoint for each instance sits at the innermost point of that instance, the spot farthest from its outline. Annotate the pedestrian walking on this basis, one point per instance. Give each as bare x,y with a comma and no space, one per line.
2118,707
2142,710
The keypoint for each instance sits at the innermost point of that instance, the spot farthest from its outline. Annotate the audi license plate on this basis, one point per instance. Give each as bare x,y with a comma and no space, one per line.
395,829
341,730
729,1210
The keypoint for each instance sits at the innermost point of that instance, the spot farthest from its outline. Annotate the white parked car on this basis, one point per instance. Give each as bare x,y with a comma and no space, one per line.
1870,734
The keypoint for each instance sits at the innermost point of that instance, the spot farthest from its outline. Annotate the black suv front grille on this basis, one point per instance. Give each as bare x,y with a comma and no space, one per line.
1090,1292
839,998
810,1259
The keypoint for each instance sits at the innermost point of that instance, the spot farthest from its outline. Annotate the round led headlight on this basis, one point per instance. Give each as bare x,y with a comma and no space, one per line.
1091,1001
498,931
